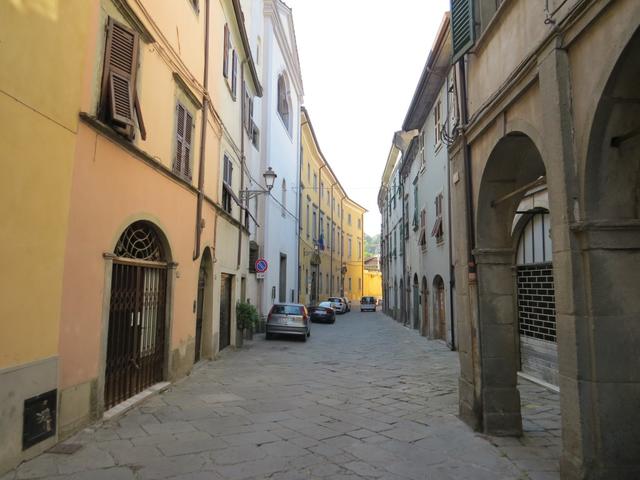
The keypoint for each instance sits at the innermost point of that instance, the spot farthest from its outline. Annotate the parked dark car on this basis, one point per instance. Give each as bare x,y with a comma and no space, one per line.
323,313
368,304
289,319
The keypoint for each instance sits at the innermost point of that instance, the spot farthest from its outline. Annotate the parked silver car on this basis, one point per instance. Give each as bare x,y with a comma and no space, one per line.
288,319
338,304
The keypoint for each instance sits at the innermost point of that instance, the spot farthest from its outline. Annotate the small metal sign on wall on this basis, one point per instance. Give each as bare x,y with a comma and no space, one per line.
39,419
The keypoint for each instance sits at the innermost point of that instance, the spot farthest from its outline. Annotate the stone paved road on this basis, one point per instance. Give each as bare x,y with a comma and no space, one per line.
364,398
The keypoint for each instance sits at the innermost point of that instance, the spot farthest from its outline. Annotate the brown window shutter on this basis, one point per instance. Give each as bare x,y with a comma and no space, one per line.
119,74
121,96
225,55
234,75
178,165
188,128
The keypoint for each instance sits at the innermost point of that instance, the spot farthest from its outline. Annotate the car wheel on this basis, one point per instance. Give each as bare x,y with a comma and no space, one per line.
304,338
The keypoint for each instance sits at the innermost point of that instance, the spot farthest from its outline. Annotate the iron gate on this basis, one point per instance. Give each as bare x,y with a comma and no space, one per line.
225,310
202,278
135,344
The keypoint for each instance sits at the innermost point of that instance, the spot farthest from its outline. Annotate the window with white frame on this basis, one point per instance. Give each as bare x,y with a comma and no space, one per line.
437,123
227,182
284,101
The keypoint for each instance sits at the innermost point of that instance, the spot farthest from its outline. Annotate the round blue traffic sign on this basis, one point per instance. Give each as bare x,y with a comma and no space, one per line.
261,265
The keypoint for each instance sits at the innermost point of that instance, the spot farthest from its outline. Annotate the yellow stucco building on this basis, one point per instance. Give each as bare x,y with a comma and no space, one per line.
38,56
116,130
372,277
331,229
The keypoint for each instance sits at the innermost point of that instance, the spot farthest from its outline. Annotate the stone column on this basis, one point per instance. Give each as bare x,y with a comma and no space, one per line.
557,125
498,342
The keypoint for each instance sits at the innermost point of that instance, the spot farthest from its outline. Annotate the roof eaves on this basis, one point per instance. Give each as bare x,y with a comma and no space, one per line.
237,9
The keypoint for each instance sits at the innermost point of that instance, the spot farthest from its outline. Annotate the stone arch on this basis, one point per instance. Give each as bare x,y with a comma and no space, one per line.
439,309
155,225
514,166
612,170
204,308
604,363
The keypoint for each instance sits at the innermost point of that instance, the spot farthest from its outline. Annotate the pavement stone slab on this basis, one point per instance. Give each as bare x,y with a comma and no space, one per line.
365,398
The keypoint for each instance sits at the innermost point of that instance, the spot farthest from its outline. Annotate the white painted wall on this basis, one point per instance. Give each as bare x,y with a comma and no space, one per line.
279,150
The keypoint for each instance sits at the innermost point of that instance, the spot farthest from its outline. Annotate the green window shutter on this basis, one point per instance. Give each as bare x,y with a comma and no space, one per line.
462,27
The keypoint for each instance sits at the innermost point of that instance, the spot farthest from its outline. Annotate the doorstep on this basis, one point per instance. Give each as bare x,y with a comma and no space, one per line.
128,404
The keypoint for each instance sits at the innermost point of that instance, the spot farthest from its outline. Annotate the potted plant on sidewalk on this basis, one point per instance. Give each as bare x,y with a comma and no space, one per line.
247,318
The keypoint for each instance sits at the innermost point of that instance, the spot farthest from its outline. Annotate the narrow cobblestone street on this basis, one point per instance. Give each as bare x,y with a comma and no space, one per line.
364,398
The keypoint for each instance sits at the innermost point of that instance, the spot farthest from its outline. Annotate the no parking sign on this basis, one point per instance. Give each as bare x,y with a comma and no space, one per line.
261,267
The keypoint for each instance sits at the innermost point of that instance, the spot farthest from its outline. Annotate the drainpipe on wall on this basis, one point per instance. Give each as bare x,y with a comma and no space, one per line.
472,281
452,278
203,136
467,168
242,160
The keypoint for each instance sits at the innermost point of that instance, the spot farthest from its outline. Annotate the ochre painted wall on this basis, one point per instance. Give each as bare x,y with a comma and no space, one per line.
38,56
372,284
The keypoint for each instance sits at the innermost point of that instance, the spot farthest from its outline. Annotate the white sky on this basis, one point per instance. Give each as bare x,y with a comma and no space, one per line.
361,61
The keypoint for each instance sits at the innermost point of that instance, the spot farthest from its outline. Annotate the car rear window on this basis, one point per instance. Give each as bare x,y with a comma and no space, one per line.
325,304
367,300
335,299
288,310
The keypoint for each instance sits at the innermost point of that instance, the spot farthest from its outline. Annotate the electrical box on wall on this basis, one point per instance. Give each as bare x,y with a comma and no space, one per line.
39,418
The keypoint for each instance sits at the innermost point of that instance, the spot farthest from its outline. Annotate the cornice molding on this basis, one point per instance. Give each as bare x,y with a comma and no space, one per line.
272,10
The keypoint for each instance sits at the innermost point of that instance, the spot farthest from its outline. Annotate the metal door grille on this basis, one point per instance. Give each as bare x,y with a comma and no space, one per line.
135,344
225,311
202,277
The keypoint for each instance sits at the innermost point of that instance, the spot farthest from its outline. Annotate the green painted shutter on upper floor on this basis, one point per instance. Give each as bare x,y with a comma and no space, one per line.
462,27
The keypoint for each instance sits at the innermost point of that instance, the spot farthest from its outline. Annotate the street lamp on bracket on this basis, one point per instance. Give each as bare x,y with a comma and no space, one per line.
269,179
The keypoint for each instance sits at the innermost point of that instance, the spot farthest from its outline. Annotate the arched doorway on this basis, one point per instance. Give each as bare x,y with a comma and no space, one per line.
401,317
535,290
606,356
514,167
136,332
395,299
416,303
203,306
425,307
439,312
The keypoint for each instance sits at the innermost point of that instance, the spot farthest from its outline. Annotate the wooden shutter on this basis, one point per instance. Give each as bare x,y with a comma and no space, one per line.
462,27
120,98
184,135
188,131
225,54
177,167
234,74
119,74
